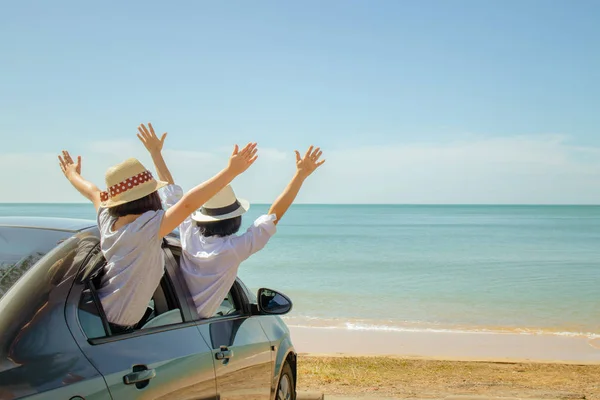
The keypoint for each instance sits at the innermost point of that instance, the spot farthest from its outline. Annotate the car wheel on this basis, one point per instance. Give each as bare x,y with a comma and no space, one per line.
285,388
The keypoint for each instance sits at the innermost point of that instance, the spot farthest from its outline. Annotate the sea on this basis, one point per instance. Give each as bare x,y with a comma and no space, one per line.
442,268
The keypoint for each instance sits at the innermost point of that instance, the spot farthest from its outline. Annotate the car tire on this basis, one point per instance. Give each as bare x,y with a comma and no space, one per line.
285,386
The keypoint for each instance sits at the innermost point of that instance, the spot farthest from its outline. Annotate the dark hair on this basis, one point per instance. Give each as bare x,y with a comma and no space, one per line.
220,228
150,202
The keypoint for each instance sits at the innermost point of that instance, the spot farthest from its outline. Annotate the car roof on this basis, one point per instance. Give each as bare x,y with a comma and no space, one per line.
57,224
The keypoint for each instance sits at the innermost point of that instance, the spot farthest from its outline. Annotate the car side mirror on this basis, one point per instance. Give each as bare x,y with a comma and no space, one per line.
271,302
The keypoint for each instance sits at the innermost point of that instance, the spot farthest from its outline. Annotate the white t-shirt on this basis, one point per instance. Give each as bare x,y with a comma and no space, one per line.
135,265
210,264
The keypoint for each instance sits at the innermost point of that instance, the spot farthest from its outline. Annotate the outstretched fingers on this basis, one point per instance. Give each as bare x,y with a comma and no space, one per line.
66,162
308,152
153,134
148,137
62,163
248,149
248,153
151,129
143,131
67,157
315,154
252,154
313,158
298,158
242,159
142,135
147,132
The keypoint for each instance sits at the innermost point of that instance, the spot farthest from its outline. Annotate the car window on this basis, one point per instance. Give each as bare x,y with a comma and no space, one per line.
89,316
163,309
21,248
231,304
227,307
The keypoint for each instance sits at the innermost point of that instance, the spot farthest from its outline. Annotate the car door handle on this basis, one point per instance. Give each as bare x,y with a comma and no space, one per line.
139,376
224,353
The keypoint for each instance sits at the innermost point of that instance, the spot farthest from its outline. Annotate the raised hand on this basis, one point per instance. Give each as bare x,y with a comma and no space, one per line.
241,160
310,162
147,136
68,166
72,171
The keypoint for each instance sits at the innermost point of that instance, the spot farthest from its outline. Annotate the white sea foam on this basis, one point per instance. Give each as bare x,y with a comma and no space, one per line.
416,327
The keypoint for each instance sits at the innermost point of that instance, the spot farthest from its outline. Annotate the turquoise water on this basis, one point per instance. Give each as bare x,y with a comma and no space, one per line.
524,268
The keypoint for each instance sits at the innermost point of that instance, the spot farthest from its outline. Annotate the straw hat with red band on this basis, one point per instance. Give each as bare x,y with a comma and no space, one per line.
127,182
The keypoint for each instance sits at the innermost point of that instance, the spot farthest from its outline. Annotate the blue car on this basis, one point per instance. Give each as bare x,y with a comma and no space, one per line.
55,341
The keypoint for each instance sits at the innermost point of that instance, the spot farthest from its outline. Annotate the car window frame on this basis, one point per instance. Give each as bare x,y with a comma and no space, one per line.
178,283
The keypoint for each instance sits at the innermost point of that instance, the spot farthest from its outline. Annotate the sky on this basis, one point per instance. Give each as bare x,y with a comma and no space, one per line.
433,102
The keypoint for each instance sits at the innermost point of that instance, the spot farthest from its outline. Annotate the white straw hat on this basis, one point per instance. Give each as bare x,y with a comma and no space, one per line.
126,182
223,205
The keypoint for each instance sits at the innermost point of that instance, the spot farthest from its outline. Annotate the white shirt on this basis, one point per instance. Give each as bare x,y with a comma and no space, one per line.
134,268
210,264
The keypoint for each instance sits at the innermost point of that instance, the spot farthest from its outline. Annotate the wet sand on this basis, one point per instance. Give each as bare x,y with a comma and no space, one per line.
504,347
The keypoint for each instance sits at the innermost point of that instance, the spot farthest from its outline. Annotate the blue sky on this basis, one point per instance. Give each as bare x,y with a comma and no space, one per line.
421,101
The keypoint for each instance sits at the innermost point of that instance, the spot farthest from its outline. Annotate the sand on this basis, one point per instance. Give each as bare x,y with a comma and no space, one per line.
402,365
389,377
447,346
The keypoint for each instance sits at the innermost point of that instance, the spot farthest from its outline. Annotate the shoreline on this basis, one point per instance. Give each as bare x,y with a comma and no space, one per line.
358,324
447,346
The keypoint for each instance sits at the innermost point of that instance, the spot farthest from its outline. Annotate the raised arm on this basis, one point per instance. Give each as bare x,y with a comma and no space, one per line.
239,162
304,167
72,172
154,146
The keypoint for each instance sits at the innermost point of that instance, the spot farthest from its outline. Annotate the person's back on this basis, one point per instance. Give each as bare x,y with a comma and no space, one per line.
211,249
129,218
135,265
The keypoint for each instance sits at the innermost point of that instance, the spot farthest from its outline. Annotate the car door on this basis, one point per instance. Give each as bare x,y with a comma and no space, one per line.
165,359
242,353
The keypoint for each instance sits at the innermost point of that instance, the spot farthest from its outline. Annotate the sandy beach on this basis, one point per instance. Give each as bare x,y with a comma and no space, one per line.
438,364
476,346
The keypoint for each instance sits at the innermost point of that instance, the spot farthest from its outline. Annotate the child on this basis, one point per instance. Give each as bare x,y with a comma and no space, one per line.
132,224
212,252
